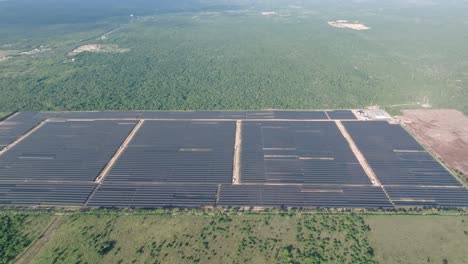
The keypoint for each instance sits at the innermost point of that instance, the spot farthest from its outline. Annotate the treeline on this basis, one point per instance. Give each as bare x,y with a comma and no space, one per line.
12,239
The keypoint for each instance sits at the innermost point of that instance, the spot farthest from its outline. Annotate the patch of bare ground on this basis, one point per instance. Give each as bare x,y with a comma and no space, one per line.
95,48
444,132
5,54
348,24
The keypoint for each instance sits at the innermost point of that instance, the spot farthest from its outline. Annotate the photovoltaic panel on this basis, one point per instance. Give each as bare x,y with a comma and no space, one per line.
297,152
341,114
395,157
320,115
178,151
99,115
194,115
178,163
125,195
43,193
419,196
73,151
18,125
306,196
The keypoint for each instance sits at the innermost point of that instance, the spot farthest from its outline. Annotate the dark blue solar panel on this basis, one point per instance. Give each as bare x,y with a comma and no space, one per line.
341,114
395,157
18,125
307,196
75,151
418,196
297,152
128,195
43,193
182,151
194,115
99,115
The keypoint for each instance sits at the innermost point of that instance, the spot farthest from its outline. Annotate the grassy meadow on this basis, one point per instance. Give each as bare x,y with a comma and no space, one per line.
207,238
197,236
419,239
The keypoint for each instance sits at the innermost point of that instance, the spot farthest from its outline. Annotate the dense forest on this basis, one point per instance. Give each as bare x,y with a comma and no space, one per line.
247,55
12,239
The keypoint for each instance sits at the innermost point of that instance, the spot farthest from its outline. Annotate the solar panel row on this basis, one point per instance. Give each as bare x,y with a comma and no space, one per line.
42,193
125,195
61,151
303,196
189,163
190,195
396,157
428,196
297,152
182,151
18,125
242,115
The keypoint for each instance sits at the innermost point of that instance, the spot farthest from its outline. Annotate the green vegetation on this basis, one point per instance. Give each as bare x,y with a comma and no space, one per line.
219,56
209,238
272,236
3,115
419,239
17,231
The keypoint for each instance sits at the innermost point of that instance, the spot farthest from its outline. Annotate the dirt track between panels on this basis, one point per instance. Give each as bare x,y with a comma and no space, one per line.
444,132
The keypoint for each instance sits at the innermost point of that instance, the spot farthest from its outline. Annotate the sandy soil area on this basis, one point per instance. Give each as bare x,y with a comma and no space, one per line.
97,48
5,53
348,24
445,132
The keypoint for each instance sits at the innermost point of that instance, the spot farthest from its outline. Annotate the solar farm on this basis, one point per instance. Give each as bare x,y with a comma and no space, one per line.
301,159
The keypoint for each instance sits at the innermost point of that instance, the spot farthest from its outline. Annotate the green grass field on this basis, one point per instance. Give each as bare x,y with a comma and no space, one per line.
228,237
219,238
419,239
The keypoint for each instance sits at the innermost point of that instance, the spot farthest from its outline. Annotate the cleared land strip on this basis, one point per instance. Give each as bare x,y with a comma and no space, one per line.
362,160
237,153
119,152
18,140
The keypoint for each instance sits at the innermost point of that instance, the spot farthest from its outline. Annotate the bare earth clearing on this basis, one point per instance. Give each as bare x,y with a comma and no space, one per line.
5,53
97,48
445,132
348,24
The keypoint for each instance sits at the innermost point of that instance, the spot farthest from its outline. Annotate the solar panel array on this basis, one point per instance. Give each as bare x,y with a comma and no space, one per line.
428,196
18,125
306,196
179,161
297,152
396,157
44,193
64,151
127,195
182,151
234,115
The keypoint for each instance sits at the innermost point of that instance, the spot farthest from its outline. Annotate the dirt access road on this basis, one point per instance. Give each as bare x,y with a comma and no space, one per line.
444,131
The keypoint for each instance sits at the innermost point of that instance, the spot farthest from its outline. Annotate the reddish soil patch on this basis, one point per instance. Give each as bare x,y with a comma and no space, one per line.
444,132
